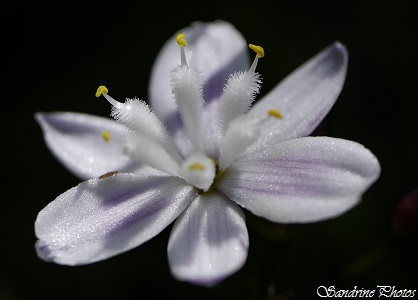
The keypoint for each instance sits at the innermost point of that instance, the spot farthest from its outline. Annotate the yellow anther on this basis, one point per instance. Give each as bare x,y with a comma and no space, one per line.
108,174
197,166
101,90
257,49
106,136
180,40
275,113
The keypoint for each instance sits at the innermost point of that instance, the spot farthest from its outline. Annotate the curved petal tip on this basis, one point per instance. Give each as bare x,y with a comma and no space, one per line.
335,57
43,251
341,48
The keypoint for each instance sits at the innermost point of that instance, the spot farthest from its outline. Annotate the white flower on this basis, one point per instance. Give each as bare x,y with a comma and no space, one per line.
200,155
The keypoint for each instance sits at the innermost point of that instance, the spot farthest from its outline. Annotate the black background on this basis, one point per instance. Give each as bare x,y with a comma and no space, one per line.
54,55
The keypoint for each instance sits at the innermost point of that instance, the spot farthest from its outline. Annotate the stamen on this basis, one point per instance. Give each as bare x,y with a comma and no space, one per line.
137,116
102,91
240,91
156,148
275,113
186,84
241,133
260,53
182,43
150,152
106,136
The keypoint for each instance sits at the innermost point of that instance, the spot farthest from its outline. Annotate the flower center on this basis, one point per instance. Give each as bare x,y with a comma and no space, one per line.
151,144
199,170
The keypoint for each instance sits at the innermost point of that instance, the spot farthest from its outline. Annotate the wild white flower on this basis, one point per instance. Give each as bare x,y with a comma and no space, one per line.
201,154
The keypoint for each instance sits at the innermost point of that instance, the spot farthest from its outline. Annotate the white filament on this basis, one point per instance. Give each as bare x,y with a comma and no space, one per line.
136,115
239,92
186,84
150,152
242,132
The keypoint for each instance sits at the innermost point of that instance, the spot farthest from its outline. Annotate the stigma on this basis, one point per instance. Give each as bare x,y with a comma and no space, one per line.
199,170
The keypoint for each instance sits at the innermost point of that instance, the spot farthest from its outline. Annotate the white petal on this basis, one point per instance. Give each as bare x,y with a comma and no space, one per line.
101,218
76,141
301,180
209,241
306,95
217,49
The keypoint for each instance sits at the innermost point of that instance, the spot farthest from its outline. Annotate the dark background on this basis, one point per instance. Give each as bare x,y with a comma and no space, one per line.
54,55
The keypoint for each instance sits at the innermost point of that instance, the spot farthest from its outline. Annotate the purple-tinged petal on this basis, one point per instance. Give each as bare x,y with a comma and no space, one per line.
209,241
301,180
76,140
101,218
305,96
217,49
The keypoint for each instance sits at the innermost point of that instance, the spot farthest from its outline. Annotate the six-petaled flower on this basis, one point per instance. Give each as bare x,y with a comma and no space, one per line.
202,154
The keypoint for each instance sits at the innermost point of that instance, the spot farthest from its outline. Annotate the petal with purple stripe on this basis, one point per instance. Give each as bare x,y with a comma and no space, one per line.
209,241
216,48
76,140
305,96
301,180
101,218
